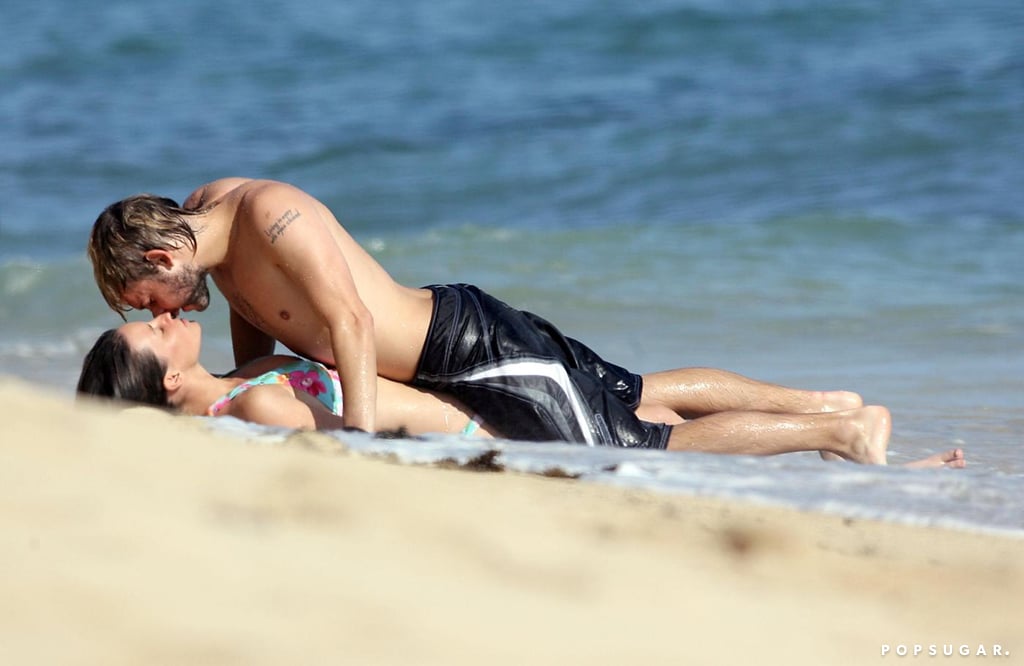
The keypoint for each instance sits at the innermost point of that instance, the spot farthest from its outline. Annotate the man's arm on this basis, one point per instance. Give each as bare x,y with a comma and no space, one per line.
300,242
247,341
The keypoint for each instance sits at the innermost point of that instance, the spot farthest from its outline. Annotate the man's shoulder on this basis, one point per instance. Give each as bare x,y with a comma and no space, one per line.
269,191
267,207
261,199
206,194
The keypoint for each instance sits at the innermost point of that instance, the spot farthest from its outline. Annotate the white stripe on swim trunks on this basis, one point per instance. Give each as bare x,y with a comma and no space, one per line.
552,370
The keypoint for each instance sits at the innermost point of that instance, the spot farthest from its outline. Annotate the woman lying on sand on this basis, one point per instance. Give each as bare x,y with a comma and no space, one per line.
157,363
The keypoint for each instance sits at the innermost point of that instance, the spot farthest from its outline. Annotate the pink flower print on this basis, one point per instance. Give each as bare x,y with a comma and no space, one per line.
308,381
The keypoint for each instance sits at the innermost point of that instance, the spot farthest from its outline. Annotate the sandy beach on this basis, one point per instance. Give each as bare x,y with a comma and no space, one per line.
140,538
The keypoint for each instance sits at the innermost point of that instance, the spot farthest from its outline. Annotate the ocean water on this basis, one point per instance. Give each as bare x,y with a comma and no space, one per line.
827,195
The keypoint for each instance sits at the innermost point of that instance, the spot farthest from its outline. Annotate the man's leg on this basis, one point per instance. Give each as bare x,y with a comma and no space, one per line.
860,435
655,413
696,392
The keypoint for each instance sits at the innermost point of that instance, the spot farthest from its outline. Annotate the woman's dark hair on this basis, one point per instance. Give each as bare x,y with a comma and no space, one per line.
113,370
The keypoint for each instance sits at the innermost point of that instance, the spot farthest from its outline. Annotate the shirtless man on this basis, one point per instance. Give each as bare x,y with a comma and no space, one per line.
292,273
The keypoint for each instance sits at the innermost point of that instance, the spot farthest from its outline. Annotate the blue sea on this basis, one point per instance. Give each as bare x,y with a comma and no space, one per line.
826,195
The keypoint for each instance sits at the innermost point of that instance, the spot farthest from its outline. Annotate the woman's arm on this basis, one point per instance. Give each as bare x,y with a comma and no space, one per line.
399,406
420,411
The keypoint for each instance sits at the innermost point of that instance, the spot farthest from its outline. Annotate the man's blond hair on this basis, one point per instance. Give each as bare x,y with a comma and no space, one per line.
122,235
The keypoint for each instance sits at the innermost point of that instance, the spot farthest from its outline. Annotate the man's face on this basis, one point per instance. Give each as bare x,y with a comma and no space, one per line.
184,288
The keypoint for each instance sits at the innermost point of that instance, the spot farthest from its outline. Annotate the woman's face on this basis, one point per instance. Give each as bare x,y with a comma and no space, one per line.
176,342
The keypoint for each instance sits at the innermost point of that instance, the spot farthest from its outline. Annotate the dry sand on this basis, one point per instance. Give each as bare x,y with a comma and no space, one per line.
138,538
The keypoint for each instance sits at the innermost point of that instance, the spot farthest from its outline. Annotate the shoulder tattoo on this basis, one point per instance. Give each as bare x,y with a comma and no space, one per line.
278,226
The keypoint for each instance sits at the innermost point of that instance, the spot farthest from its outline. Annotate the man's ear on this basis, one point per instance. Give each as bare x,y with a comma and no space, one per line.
160,258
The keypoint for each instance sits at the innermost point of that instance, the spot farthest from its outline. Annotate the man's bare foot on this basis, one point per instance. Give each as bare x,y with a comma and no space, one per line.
866,436
954,458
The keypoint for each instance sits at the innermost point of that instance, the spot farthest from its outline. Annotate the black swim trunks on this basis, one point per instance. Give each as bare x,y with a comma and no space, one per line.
525,378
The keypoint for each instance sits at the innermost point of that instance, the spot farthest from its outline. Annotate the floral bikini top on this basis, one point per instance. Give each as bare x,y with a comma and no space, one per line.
311,377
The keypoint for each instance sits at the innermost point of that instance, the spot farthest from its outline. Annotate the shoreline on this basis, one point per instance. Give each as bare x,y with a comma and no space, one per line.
135,537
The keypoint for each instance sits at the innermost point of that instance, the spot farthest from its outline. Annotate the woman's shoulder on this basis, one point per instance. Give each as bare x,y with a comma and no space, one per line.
271,404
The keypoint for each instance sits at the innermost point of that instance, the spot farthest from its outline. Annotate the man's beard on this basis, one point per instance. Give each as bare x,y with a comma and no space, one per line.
192,281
